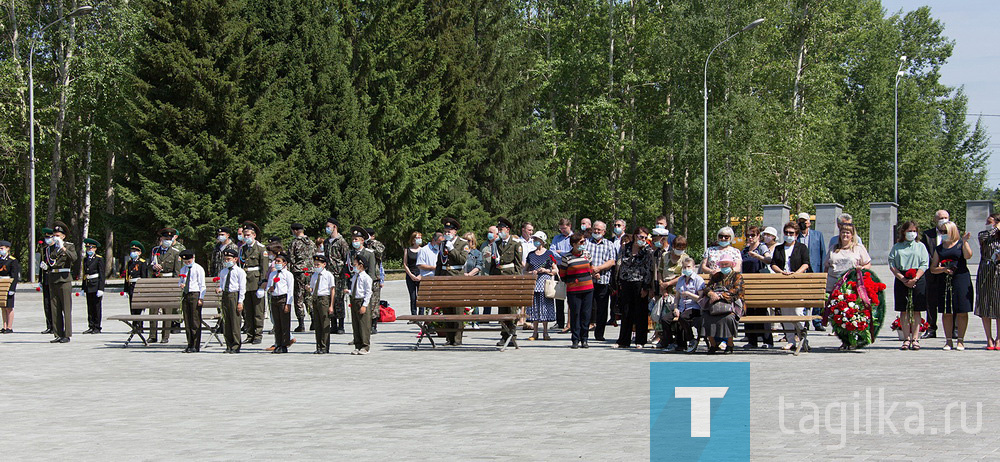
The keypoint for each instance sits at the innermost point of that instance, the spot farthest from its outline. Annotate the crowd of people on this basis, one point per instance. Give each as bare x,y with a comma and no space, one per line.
619,277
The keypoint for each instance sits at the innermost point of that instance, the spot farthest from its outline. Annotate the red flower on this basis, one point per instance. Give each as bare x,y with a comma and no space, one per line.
910,273
215,279
852,297
277,279
184,276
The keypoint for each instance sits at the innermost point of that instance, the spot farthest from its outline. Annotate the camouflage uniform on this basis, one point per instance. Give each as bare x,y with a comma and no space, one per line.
216,265
337,250
300,256
378,250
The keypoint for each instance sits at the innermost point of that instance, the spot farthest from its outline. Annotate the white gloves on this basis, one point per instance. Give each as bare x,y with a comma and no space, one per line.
260,293
10,292
450,245
44,266
100,294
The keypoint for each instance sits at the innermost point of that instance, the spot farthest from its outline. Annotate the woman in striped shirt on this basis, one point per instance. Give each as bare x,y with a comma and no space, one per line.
576,272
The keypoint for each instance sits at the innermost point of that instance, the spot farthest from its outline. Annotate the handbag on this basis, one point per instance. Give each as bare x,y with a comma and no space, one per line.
555,289
385,312
656,309
721,308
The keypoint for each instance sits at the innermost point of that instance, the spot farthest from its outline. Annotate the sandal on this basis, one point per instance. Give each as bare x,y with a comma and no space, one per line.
532,338
905,346
915,344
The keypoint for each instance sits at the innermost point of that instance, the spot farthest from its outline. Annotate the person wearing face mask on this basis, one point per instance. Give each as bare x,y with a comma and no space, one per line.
576,271
410,256
233,287
223,242
723,247
337,251
192,284
281,291
621,241
932,238
950,259
359,236
490,253
507,263
661,223
378,248
93,284
662,274
560,246
58,259
586,227
43,283
252,256
669,270
789,258
725,288
361,293
602,255
818,254
322,287
688,289
636,270
452,254
769,237
300,254
542,264
9,268
164,262
988,280
910,289
756,258
135,269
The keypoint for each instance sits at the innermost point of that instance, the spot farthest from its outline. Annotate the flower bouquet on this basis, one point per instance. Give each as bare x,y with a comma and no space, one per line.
895,326
856,308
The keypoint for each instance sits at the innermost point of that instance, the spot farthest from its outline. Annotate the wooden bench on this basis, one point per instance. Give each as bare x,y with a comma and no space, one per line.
763,290
153,294
470,292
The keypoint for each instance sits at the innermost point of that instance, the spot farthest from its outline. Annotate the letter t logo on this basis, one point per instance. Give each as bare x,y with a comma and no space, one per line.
701,407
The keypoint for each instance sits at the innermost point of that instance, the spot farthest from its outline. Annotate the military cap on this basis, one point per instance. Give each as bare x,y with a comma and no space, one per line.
504,223
297,226
281,255
137,245
321,257
60,227
167,232
362,261
230,253
89,241
251,225
357,231
370,231
450,223
47,231
186,254
5,244
224,229
274,239
333,221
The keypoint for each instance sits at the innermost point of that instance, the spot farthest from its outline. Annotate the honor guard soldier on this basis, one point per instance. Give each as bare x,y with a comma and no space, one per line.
322,287
164,262
452,254
93,285
43,284
135,269
337,252
223,242
378,249
505,258
10,268
281,290
253,258
192,283
300,256
233,287
58,260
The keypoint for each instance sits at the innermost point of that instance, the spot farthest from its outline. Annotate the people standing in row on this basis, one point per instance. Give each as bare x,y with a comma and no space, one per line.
908,262
192,282
10,268
954,290
322,288
57,262
988,280
93,285
233,287
337,251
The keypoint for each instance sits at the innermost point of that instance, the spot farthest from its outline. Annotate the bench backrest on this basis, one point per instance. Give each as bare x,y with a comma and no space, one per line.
764,290
475,291
4,288
161,293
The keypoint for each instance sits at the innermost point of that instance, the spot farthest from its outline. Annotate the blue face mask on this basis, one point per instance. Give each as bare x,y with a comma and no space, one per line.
726,270
134,255
3,253
618,231
658,244
279,266
687,272
329,230
661,227
356,245
90,253
597,237
167,243
49,241
583,227
724,243
418,241
491,237
580,248
503,235
228,264
448,237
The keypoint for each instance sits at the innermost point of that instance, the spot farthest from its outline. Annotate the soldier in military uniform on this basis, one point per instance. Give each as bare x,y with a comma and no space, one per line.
223,242
451,262
300,255
135,269
378,249
9,268
43,284
337,252
165,262
504,259
253,258
58,260
93,285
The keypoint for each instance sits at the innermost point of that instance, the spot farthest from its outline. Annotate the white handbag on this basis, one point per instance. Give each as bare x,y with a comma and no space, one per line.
555,289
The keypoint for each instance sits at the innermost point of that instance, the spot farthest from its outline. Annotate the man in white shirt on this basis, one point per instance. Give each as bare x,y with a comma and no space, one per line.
428,255
527,244
281,288
233,287
361,317
192,282
321,287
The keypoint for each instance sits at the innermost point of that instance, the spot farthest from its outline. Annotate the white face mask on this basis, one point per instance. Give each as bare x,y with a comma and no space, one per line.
279,266
942,221
789,239
248,240
678,252
768,238
228,264
221,238
911,235
134,255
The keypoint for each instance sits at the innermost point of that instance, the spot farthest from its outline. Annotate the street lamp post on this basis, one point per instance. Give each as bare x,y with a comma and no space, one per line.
81,11
704,170
895,132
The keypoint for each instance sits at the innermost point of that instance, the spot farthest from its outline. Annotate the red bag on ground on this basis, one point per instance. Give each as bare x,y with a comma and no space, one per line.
386,313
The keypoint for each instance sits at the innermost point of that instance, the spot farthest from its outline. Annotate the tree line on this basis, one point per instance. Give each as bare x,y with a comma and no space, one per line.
197,114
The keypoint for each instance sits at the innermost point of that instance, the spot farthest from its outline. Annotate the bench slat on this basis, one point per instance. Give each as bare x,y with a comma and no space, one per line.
480,303
766,319
458,317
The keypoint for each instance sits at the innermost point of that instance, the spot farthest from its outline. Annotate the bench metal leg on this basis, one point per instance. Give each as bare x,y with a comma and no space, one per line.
213,332
803,340
136,330
510,335
425,331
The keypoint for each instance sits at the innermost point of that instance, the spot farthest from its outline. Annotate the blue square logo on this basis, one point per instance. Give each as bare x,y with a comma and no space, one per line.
699,411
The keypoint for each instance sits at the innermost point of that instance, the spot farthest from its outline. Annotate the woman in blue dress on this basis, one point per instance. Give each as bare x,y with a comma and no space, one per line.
542,263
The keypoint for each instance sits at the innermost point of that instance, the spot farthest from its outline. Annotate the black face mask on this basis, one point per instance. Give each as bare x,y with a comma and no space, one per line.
802,225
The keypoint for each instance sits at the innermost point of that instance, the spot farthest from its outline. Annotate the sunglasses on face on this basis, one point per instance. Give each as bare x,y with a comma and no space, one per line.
789,233
723,236
751,236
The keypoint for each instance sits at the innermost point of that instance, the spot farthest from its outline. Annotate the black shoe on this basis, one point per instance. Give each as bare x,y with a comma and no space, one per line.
256,341
300,328
318,351
47,331
88,331
374,330
820,328
728,350
575,345
55,340
164,340
151,340
599,339
96,331
713,350
187,350
64,340
585,345
312,326
236,350
340,331
929,334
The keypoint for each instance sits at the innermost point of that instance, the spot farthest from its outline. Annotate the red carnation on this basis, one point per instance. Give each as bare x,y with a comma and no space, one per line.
852,297
184,276
215,279
277,279
910,273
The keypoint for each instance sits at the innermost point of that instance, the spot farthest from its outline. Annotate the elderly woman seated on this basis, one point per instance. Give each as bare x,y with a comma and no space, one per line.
723,304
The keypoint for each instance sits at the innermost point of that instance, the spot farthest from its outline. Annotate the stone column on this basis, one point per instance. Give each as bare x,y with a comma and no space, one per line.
975,220
881,231
826,219
776,215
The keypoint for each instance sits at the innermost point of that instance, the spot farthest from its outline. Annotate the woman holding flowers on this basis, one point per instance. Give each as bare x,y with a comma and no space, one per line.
908,261
854,307
950,259
988,280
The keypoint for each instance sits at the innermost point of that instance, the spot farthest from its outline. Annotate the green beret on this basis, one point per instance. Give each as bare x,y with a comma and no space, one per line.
47,231
89,241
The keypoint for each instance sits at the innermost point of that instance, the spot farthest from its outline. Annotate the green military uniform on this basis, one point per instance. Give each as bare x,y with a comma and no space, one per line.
43,281
337,252
58,260
451,262
169,262
378,250
361,323
300,256
506,262
253,258
216,265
